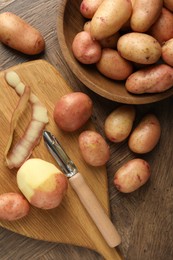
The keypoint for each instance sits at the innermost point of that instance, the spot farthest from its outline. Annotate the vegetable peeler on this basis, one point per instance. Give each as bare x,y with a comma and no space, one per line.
85,194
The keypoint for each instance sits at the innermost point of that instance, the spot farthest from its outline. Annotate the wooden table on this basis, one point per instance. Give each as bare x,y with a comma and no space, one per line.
144,218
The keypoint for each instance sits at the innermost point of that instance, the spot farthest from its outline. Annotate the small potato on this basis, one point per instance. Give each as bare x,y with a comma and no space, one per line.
132,175
154,79
72,111
94,148
109,18
162,29
119,122
13,206
144,14
17,34
146,135
113,66
168,4
167,52
139,47
89,7
85,49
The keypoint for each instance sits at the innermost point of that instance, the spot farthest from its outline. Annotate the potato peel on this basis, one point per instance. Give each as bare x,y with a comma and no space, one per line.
15,156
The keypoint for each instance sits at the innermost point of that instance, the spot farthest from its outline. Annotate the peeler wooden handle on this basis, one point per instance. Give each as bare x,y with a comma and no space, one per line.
95,210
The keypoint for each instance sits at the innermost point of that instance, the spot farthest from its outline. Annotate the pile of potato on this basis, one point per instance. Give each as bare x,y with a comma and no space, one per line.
73,110
130,41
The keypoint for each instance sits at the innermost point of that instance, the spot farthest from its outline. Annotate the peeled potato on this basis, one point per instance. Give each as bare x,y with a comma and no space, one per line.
42,183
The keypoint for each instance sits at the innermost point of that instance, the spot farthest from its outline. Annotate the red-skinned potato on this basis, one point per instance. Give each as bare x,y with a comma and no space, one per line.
132,175
43,184
85,49
119,123
162,29
113,65
89,7
168,4
152,79
146,135
19,35
93,147
13,206
72,111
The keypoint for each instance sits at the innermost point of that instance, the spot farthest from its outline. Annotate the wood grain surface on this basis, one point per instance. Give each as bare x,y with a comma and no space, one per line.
144,218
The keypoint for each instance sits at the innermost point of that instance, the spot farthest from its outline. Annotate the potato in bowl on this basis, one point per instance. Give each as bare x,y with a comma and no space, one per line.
70,21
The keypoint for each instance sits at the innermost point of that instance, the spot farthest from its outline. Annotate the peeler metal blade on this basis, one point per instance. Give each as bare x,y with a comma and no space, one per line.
63,160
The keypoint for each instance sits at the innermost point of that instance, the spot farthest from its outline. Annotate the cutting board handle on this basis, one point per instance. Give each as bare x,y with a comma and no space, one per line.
95,210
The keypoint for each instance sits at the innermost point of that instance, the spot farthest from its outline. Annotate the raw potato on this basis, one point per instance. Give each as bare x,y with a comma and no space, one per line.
132,175
19,35
167,52
85,49
162,29
93,147
146,135
109,42
72,111
43,184
168,4
144,14
13,206
139,47
113,66
109,18
119,123
154,79
89,7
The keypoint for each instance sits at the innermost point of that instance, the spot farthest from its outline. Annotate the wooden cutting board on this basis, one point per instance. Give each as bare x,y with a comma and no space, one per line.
69,223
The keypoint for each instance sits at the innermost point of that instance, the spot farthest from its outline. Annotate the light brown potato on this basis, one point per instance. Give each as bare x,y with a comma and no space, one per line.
146,135
72,111
167,52
89,7
42,183
139,47
144,14
162,29
113,66
109,18
154,79
94,149
19,35
109,42
119,123
85,49
13,206
132,175
168,4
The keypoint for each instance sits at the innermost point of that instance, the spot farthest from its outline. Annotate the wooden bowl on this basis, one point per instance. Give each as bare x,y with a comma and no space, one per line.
69,23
